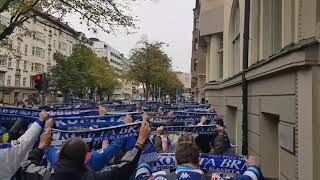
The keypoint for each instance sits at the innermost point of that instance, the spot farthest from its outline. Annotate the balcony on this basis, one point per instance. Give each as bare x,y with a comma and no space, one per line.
3,69
18,71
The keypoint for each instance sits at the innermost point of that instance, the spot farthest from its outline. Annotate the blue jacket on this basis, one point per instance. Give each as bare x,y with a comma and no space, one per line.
98,159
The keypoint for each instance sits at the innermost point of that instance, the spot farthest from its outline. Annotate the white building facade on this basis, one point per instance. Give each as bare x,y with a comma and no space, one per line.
118,62
31,54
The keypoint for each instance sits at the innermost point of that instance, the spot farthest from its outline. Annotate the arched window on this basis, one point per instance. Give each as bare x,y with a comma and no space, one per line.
235,37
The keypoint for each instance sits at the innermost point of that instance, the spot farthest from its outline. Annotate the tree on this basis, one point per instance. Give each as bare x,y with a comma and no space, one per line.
107,15
83,71
151,67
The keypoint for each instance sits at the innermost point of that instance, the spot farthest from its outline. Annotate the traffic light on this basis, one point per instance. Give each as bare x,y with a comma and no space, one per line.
38,79
193,92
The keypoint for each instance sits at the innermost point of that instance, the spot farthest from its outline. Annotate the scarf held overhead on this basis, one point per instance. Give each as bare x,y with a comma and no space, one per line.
218,163
59,137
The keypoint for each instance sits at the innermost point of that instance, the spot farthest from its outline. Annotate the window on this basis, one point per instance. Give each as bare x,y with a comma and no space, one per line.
63,46
31,81
54,43
276,25
39,67
9,81
25,96
9,62
235,38
195,66
196,23
39,37
26,49
32,67
24,82
25,65
2,79
19,46
17,81
220,54
3,60
18,64
196,44
39,52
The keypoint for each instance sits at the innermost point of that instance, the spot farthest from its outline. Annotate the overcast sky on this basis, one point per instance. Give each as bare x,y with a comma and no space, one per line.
168,21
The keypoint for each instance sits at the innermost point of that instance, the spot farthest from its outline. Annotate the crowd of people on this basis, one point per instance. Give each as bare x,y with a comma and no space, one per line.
26,153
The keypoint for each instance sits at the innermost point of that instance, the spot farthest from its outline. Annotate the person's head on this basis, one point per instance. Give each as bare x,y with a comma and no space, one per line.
74,150
102,110
138,107
187,153
212,109
220,122
160,111
185,137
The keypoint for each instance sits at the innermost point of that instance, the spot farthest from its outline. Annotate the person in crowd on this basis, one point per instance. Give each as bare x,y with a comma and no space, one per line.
212,109
96,160
161,111
218,143
138,107
162,142
15,152
102,110
17,130
187,160
71,162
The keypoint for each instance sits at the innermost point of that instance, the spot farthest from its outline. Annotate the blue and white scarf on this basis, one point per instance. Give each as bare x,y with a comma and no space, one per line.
87,121
207,129
199,114
59,137
216,163
178,118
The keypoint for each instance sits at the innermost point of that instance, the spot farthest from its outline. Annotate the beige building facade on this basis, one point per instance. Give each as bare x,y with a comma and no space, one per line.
28,55
185,79
283,81
198,59
118,62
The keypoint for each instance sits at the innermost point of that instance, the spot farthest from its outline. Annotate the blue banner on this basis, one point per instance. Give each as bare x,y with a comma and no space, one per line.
216,163
207,129
87,121
199,114
179,118
59,137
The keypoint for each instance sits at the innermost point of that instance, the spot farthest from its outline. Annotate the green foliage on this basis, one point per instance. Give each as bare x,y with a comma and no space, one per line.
82,71
151,67
107,15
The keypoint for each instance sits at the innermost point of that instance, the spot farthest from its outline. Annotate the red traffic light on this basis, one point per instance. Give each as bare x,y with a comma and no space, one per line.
38,77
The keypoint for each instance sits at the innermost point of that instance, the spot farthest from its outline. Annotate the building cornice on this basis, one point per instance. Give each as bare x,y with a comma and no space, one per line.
289,58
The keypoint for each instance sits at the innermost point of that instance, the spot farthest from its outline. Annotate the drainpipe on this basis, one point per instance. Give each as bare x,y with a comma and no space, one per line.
244,80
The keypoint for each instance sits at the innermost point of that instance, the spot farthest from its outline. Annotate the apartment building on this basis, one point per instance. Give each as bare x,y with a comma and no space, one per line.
32,53
198,59
118,62
185,79
282,80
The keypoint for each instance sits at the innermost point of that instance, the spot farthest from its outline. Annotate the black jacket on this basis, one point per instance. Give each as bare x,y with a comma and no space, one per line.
68,170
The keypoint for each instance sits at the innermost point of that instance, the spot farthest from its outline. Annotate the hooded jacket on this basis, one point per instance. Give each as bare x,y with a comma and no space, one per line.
69,170
14,153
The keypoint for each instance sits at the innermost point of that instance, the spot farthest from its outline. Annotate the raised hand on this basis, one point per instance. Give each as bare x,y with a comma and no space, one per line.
45,139
43,116
144,133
